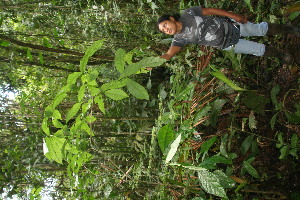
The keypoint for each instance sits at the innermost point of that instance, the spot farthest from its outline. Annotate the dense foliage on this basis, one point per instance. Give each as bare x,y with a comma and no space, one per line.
90,121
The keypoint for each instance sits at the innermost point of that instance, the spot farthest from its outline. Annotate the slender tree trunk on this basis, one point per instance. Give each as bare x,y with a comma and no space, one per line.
42,48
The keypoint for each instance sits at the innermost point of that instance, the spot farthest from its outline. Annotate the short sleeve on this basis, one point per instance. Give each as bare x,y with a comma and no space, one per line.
195,11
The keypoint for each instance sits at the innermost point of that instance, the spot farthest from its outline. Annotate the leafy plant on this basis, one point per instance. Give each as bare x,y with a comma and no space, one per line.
286,149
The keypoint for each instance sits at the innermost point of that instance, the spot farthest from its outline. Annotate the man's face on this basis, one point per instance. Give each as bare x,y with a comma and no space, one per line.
168,26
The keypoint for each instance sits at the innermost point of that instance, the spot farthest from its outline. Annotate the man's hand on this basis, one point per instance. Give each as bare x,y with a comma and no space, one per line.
240,18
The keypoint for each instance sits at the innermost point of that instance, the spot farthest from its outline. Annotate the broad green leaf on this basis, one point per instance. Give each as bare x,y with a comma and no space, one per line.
184,94
94,90
87,128
99,101
207,144
49,111
46,42
58,99
114,84
165,136
73,111
146,62
73,77
216,109
218,74
4,43
75,127
90,118
211,183
214,160
273,121
56,114
224,180
294,140
55,147
120,60
29,55
246,144
250,169
137,90
173,149
248,2
283,151
88,53
202,113
45,126
57,123
81,92
92,77
41,58
255,101
275,90
116,94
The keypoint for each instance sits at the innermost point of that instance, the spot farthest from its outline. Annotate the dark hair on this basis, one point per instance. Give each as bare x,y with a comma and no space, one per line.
167,17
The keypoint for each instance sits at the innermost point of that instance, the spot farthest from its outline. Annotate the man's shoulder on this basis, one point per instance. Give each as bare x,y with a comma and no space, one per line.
193,11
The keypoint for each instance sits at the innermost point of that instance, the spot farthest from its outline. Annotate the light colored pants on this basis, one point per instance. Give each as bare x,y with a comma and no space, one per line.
249,47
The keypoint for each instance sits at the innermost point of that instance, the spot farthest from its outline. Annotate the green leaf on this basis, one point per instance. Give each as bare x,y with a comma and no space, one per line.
4,43
73,77
275,90
114,84
99,101
58,99
41,58
88,53
94,90
209,163
211,183
224,180
49,111
216,109
173,149
146,62
218,74
90,118
92,76
29,55
165,136
208,144
255,101
57,123
45,126
120,60
73,111
273,121
56,114
46,42
81,92
137,90
283,151
250,169
116,94
86,127
248,2
294,140
55,147
246,144
185,93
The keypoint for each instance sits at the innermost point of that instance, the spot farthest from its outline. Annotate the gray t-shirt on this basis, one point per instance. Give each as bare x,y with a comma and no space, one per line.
203,30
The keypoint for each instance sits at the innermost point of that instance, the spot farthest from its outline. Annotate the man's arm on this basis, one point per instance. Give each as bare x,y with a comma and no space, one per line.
220,12
171,52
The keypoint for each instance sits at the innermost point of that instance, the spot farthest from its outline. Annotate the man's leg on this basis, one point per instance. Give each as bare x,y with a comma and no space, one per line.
258,49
